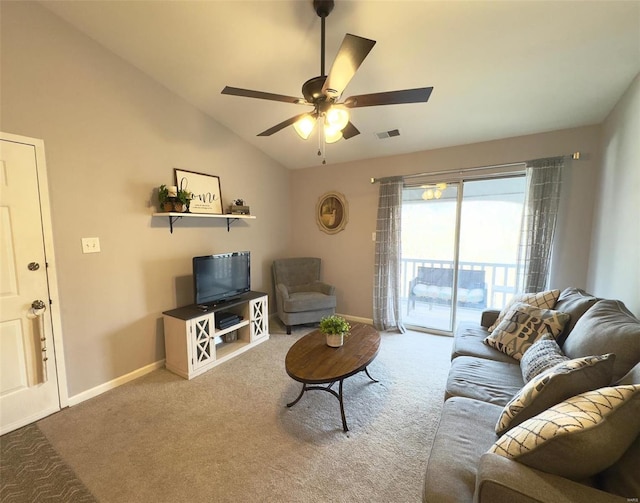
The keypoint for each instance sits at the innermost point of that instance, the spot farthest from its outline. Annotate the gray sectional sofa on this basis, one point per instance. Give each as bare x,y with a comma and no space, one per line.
598,349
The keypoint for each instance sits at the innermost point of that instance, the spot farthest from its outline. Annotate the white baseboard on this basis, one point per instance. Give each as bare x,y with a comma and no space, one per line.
356,319
119,381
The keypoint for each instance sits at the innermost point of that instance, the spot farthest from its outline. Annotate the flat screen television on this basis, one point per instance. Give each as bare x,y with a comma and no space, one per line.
217,278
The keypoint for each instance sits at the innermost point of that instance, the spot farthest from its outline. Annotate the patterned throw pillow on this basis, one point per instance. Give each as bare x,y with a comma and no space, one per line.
579,437
563,381
542,355
522,326
545,300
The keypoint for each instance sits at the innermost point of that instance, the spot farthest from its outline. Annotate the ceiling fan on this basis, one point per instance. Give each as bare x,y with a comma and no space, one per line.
323,92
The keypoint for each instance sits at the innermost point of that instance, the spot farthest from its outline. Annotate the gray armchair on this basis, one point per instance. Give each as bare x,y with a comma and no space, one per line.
300,295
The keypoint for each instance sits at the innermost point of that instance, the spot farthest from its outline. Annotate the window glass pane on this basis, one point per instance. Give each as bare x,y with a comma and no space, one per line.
491,216
428,244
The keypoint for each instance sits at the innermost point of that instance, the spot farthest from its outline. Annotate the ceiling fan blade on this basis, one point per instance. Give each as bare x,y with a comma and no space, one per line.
389,98
248,93
281,126
350,131
349,58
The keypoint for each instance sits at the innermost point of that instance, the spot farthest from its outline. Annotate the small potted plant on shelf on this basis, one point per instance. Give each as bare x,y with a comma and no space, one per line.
182,201
166,202
335,328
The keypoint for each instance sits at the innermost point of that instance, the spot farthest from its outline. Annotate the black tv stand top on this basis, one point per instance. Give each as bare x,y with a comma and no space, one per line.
195,310
211,306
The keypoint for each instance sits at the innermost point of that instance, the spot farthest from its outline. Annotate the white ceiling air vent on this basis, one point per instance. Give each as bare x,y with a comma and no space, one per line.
388,134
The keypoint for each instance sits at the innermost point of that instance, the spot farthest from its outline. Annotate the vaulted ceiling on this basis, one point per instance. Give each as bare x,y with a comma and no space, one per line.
499,69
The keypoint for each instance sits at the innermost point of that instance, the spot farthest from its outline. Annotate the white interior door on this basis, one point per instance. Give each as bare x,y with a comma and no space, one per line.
28,375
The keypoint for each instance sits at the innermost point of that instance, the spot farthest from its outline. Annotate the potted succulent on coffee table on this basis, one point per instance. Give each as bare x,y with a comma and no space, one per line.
335,328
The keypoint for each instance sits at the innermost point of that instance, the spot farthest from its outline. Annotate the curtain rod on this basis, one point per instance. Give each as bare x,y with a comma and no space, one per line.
575,156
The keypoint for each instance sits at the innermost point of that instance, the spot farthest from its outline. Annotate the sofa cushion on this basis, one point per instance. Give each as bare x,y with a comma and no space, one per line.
563,381
308,301
545,300
542,355
457,448
522,326
579,437
484,380
608,327
575,303
631,377
469,341
489,317
502,480
622,477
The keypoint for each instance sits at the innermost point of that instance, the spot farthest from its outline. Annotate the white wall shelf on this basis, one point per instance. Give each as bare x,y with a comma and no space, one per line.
175,216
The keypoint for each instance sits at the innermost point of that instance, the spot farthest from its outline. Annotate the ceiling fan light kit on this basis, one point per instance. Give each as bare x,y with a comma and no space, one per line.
337,117
324,91
305,125
332,135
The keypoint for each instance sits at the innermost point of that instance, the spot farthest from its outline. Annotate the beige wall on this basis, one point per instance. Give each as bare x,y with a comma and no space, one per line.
615,255
348,257
111,135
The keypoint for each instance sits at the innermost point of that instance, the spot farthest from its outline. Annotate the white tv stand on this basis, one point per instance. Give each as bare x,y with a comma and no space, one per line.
194,345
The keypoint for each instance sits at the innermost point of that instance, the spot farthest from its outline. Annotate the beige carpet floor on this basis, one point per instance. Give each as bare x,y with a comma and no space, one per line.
227,436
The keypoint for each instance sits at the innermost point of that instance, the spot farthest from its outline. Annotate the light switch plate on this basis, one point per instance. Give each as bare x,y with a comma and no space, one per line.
90,245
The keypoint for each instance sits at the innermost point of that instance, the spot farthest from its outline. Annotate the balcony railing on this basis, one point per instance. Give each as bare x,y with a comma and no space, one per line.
500,279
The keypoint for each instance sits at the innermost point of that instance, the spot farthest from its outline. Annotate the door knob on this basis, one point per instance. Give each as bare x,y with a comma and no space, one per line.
38,307
33,266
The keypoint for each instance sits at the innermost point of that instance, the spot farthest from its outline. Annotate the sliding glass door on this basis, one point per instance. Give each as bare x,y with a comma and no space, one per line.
459,249
429,237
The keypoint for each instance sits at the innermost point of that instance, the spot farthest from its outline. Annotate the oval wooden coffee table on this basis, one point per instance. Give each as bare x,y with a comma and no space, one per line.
310,361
